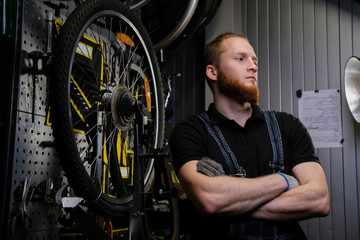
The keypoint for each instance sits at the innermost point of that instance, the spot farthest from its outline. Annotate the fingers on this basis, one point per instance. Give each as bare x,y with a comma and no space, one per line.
291,181
210,167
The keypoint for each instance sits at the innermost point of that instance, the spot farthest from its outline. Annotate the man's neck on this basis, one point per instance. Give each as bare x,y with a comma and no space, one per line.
240,113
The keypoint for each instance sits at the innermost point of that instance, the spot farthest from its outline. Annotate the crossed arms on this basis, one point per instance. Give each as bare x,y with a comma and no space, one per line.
261,197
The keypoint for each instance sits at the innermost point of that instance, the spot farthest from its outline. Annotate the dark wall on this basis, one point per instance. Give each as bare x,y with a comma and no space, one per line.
188,97
188,91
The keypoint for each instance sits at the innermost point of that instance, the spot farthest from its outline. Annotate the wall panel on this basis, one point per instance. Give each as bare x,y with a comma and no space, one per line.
297,49
349,153
309,45
304,44
262,48
188,95
321,45
285,55
337,169
274,53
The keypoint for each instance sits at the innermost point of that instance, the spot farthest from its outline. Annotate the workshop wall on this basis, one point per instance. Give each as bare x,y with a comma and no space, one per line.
29,155
305,44
187,95
301,44
27,150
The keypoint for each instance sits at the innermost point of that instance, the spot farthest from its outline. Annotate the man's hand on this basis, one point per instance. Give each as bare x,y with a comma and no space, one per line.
291,181
210,167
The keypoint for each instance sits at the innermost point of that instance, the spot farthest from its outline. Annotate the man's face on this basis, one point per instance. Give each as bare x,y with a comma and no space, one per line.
237,73
237,90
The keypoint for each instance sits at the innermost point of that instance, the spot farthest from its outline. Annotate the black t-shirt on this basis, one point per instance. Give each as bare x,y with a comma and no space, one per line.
190,140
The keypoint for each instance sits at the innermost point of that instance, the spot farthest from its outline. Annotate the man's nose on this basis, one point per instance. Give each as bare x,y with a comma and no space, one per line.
252,66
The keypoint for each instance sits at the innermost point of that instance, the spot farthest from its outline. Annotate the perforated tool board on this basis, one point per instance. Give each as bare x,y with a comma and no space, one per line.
34,155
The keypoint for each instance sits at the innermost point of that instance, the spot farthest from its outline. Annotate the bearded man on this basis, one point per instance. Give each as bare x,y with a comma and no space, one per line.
249,176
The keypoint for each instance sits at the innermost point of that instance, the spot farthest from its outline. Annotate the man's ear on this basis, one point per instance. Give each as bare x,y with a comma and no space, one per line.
211,72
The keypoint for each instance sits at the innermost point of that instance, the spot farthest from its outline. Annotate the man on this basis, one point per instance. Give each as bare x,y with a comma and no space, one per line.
263,204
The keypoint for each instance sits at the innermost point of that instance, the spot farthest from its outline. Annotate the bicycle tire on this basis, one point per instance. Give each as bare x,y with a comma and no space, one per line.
204,12
180,26
97,76
171,24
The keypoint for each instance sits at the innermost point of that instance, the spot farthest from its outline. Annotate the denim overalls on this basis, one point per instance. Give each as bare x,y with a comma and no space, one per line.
253,228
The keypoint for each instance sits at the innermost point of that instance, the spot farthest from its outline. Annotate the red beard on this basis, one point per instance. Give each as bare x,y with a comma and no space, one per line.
237,90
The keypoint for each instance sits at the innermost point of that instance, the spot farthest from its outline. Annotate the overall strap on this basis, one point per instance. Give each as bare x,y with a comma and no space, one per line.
229,156
276,141
277,164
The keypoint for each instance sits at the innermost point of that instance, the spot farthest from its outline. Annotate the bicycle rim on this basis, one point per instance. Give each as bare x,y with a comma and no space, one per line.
104,63
171,24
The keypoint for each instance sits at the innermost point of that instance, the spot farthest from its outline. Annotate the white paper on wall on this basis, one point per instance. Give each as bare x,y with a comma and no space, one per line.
320,112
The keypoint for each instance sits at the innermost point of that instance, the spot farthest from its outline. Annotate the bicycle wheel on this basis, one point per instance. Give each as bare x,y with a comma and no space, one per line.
104,63
171,24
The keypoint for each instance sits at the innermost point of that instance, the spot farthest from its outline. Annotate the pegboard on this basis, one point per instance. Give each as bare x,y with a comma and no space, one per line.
34,154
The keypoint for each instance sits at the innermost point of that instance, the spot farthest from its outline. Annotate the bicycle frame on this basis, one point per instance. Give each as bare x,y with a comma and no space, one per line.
138,221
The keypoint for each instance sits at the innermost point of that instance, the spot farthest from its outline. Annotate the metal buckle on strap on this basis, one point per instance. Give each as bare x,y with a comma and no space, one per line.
242,173
276,167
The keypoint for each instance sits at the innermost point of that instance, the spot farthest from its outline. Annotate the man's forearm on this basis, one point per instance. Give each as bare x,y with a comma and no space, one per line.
306,201
226,195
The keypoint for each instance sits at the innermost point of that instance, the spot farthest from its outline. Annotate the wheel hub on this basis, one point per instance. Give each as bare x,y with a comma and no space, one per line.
122,108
